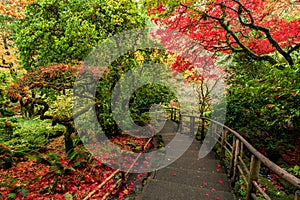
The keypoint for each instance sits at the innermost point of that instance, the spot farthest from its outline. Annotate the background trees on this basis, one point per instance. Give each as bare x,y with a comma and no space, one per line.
55,36
261,38
55,32
52,38
64,31
254,33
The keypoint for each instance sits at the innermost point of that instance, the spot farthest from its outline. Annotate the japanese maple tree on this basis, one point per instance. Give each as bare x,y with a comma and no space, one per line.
253,27
262,33
36,88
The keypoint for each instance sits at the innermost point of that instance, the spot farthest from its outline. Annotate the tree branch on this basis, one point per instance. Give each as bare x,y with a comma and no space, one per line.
83,110
296,47
251,25
263,29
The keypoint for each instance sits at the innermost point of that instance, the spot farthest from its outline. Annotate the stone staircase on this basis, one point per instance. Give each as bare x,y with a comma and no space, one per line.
188,178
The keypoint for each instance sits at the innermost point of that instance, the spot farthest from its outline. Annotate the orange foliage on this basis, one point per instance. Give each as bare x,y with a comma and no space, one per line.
14,8
282,8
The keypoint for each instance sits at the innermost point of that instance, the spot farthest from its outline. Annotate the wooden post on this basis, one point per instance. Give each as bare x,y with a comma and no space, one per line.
175,110
297,195
202,129
192,125
213,132
235,163
180,124
254,173
180,117
223,143
242,150
232,157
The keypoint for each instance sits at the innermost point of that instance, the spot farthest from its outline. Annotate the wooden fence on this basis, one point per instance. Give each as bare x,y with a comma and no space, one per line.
241,164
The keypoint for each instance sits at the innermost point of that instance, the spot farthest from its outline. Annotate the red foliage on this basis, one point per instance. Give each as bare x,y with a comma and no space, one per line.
78,180
233,26
55,77
192,60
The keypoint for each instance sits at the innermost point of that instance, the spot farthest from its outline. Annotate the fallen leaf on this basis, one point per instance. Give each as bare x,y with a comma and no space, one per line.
126,191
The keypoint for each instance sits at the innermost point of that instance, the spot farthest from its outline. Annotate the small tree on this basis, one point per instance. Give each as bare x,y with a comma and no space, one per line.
35,90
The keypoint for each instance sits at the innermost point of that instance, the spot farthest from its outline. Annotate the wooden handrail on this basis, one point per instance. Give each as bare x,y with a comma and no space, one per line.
271,165
117,171
238,167
237,153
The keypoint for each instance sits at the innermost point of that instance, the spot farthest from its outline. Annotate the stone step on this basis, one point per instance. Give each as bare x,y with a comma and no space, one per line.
164,190
208,165
201,179
188,177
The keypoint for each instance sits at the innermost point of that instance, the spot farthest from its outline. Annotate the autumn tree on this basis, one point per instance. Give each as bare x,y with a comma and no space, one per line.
36,90
262,38
14,8
10,12
233,26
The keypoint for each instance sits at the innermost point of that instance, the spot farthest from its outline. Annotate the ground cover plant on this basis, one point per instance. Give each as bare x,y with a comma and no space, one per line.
61,176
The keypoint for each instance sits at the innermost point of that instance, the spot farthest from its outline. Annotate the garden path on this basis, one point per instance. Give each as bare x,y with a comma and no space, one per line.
188,178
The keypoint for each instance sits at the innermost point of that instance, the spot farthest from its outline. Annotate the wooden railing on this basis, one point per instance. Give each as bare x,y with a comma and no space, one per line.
174,114
244,160
118,183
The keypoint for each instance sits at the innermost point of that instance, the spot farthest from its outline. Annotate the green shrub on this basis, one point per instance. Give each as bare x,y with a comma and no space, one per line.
7,127
294,170
264,105
5,79
273,192
33,134
5,157
61,106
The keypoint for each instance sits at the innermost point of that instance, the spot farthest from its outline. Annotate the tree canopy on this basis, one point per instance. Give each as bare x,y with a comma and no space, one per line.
65,31
254,28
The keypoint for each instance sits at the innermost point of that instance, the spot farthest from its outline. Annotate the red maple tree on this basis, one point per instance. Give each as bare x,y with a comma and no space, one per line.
253,27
